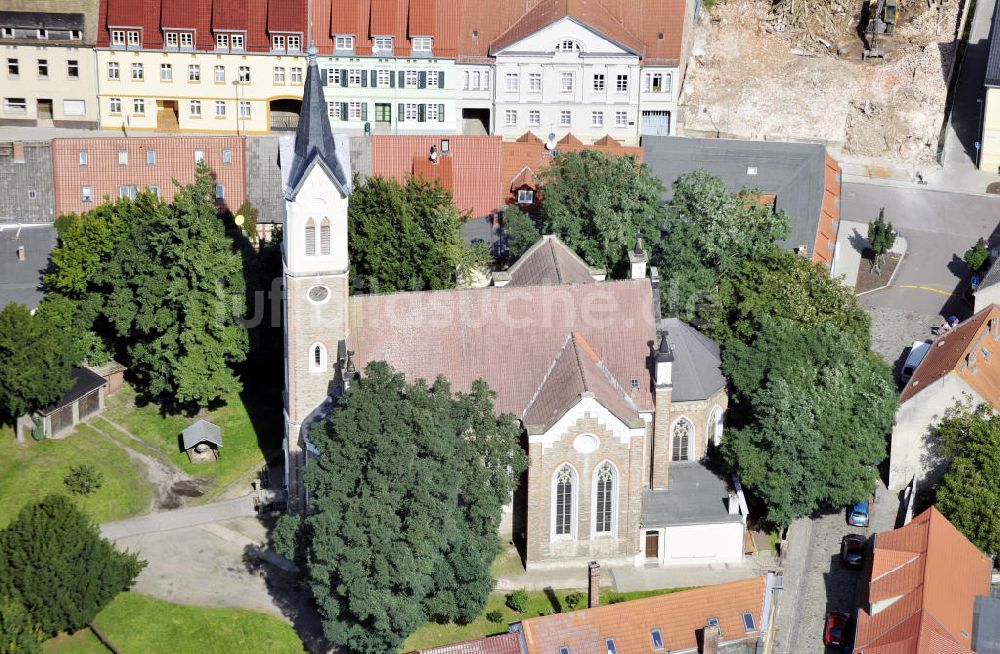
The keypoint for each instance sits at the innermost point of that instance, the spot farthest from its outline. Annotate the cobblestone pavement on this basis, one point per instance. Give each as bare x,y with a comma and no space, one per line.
894,330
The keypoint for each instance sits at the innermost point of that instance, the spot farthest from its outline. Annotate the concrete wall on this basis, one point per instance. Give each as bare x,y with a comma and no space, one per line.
701,544
73,98
989,156
26,181
914,450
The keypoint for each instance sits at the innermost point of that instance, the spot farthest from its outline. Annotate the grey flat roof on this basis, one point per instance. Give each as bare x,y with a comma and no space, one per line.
793,172
42,20
694,496
986,626
21,281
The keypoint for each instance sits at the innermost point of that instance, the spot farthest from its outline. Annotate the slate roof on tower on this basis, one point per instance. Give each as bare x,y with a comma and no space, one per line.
314,139
697,370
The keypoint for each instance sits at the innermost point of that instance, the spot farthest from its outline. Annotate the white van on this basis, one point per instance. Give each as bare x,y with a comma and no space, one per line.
918,351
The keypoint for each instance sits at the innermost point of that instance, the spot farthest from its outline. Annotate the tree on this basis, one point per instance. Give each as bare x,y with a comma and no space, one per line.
710,233
407,493
969,492
406,236
55,563
18,633
36,358
177,293
251,215
521,232
977,256
81,321
596,204
813,408
781,284
881,237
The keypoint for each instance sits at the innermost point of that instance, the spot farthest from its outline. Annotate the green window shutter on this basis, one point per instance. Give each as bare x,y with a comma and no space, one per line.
364,111
440,113
392,80
402,113
422,79
343,77
323,77
402,80
364,78
343,111
421,113
440,79
374,78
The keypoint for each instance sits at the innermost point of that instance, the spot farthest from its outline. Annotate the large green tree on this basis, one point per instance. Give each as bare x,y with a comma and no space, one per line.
36,357
408,493
781,284
710,234
54,562
969,491
18,633
177,294
598,203
813,408
522,232
407,236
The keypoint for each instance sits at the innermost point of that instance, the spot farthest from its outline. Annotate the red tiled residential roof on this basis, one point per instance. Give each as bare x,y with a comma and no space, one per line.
422,15
474,162
965,351
548,263
680,617
829,218
174,161
508,336
589,12
499,644
930,574
287,16
230,15
400,19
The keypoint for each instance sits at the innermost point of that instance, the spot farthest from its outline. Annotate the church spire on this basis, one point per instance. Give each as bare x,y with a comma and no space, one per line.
313,137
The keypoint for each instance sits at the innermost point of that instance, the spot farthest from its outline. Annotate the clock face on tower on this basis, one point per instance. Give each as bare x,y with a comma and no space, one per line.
319,294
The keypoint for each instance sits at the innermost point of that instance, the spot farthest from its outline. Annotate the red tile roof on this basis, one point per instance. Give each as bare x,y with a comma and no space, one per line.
826,232
680,617
929,574
259,18
547,263
508,336
965,351
588,12
499,644
474,163
400,19
174,161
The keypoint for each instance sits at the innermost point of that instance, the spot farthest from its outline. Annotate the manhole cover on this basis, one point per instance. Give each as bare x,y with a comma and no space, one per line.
993,188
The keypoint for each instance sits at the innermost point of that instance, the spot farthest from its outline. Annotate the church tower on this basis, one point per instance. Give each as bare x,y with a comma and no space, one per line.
316,264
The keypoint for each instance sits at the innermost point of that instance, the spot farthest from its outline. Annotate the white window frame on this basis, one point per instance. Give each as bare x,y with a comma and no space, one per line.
114,70
615,481
383,78
220,108
692,436
279,74
354,76
333,110
296,75
122,157
187,40
15,105
333,76
84,157
565,118
411,79
525,196
382,44
117,37
716,424
574,503
220,74
70,65
411,111
87,194
322,365
597,119
194,72
344,42
166,72
138,71
199,156
431,112
621,119
220,191
221,41
133,37
245,109
534,118
115,105
354,111
510,117
237,41
171,39
244,75
511,82
599,80
566,82
194,107
534,82
423,44
151,157
433,79
278,42
139,106
621,83
294,43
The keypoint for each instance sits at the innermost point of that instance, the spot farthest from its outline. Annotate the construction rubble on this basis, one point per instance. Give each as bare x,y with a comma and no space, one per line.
793,69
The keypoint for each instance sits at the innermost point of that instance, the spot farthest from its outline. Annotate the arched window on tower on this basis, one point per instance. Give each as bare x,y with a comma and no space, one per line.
715,426
681,440
565,501
604,498
324,237
317,358
310,238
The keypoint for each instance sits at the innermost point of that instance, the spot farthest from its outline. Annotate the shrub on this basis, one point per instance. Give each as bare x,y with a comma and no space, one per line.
573,599
496,617
83,479
518,601
285,535
977,256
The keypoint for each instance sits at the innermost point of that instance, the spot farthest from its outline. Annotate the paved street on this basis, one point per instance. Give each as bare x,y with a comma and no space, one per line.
180,518
939,227
815,581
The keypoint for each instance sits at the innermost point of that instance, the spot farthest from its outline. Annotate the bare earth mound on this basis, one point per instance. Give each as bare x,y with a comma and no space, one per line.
767,71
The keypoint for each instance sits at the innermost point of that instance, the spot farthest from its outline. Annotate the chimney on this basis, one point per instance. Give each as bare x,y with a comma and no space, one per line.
712,634
594,587
20,253
654,280
733,504
664,362
663,392
638,259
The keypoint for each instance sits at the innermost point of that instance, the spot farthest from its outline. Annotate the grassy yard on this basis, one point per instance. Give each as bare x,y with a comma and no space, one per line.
251,430
30,471
137,623
539,603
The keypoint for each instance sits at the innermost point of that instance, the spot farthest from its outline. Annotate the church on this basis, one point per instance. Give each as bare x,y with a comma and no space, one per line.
618,404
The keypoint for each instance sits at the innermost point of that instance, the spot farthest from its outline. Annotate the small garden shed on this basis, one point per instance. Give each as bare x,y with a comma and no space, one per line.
85,398
202,441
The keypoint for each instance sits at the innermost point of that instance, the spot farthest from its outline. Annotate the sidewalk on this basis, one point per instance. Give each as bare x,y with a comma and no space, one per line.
851,242
180,518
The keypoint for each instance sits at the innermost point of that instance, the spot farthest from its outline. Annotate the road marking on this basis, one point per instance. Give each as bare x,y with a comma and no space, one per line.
927,288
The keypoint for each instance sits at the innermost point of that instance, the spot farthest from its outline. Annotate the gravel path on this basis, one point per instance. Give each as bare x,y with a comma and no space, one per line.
241,507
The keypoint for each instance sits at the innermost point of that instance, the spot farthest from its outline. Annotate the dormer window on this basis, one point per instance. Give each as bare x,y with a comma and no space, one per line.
222,41
422,43
7,32
382,44
187,40
345,42
75,35
278,42
133,37
237,41
294,43
43,33
118,37
171,39
567,45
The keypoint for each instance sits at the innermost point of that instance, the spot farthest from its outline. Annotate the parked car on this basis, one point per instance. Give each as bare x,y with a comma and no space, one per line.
918,351
859,515
835,632
852,550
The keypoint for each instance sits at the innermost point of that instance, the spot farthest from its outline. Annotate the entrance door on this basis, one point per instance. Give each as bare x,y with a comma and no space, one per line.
656,123
652,545
44,112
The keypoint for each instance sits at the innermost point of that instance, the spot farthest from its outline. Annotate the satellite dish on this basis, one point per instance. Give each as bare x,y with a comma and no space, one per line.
239,220
551,143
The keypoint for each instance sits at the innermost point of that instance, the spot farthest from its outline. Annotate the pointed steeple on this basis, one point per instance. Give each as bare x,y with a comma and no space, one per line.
314,138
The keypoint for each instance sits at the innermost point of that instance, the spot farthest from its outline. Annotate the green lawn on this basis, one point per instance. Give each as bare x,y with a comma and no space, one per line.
539,603
251,429
137,623
30,471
